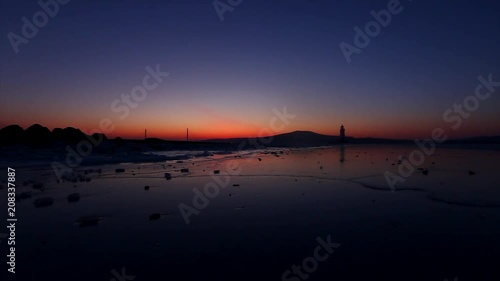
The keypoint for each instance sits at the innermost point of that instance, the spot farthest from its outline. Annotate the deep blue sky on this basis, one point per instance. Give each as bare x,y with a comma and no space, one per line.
226,77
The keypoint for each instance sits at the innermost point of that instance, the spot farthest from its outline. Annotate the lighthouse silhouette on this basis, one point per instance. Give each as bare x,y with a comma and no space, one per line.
342,133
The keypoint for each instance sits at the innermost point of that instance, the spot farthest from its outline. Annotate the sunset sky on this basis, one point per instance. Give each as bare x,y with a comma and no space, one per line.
226,77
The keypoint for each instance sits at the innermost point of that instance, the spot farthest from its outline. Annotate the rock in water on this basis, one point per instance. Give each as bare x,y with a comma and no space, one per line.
154,217
89,221
73,197
38,185
120,170
43,202
168,176
25,195
185,170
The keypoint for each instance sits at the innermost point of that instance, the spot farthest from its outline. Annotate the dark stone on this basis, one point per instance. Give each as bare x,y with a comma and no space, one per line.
89,221
38,185
43,202
154,217
25,195
73,197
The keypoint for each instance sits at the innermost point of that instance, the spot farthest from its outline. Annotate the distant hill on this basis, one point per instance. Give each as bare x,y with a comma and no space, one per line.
292,139
304,138
310,139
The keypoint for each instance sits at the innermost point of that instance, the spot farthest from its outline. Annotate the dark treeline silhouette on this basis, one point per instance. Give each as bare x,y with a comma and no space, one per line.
38,135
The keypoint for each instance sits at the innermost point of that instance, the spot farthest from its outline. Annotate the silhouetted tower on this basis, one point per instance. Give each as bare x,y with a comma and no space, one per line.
342,134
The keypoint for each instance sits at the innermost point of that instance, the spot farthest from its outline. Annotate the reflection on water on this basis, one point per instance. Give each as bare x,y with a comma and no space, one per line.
342,153
266,218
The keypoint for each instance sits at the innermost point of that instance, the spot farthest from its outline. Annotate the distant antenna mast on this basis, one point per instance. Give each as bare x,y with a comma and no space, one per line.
187,134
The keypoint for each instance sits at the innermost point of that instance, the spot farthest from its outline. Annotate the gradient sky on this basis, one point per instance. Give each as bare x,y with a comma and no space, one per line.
226,77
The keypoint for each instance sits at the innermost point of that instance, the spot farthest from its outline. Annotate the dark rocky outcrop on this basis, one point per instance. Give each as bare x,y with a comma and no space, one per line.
40,136
12,134
37,135
68,135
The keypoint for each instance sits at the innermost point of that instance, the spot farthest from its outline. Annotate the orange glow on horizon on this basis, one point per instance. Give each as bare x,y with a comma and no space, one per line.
223,129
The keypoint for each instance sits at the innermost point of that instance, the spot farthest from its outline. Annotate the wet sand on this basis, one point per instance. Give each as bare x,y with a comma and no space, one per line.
438,224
